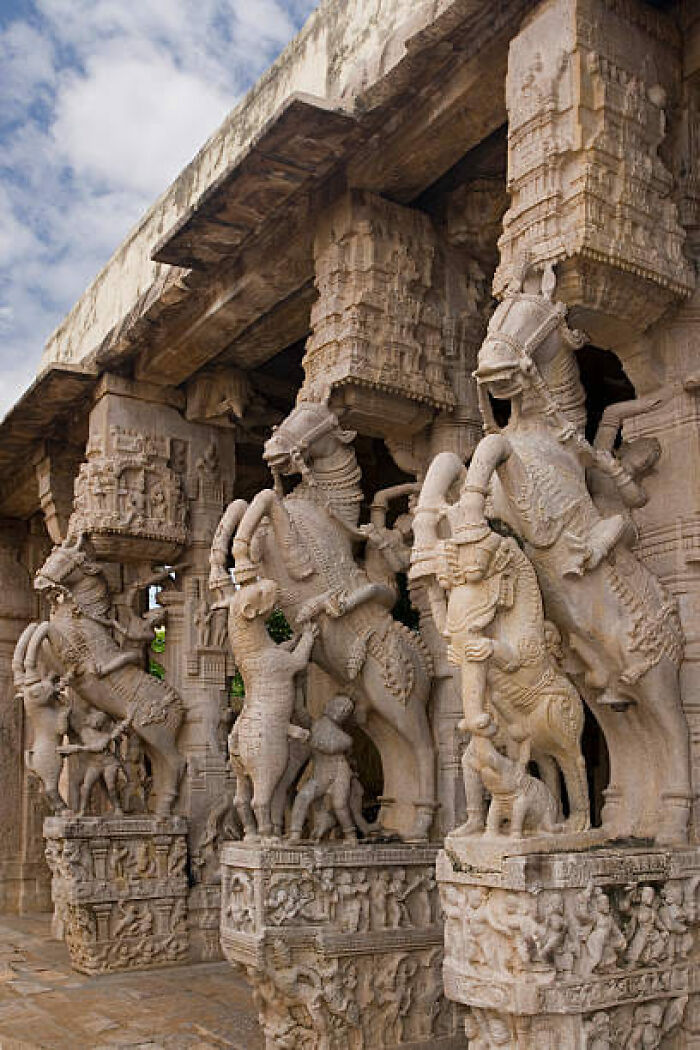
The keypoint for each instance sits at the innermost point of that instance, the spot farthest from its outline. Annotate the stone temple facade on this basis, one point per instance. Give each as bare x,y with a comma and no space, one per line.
382,427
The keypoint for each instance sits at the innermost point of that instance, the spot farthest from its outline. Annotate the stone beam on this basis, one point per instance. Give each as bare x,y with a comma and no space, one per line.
49,407
297,146
434,108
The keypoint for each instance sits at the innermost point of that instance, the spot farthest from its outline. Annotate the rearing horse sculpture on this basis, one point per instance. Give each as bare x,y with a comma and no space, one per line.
618,621
78,642
304,541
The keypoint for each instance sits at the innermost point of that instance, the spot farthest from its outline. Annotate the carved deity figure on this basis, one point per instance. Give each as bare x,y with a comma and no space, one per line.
541,477
307,541
259,740
331,773
500,640
78,639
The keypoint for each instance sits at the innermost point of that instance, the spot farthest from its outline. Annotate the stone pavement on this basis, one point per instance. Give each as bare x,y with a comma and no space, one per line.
44,1005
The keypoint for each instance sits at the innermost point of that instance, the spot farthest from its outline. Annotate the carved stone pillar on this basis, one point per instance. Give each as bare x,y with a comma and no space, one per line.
341,945
376,339
151,492
23,882
571,951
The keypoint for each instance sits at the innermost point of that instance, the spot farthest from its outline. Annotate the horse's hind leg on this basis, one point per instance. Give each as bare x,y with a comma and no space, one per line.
168,766
549,774
573,768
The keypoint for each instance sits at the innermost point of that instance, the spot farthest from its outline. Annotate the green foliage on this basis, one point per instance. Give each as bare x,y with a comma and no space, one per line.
278,627
157,646
158,643
237,690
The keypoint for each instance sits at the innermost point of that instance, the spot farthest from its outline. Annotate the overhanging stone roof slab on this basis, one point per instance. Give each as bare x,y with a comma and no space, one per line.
298,146
35,417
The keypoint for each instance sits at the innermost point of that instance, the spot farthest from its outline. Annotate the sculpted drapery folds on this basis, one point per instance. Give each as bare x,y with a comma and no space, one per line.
620,628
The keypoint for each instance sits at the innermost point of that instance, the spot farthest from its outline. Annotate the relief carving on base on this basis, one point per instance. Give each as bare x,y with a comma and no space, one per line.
573,951
119,887
342,945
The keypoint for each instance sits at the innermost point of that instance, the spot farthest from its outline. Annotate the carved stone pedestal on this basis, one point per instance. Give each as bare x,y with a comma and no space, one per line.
343,946
119,890
572,951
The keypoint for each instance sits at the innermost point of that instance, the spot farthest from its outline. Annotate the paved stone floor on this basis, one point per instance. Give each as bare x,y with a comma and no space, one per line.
44,1005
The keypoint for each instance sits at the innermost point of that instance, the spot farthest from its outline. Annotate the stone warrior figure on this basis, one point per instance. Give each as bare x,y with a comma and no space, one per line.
78,639
98,759
539,473
331,773
511,682
305,541
259,740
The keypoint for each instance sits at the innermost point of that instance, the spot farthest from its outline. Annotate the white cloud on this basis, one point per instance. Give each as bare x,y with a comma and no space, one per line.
104,101
98,133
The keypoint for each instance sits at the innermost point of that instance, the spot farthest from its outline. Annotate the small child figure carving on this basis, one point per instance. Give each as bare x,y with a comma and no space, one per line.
331,773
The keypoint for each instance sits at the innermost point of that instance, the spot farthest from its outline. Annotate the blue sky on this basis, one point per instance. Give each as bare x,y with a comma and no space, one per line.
102,102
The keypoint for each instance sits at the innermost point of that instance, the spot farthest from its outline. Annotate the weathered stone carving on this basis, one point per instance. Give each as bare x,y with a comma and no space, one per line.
119,890
341,945
331,775
128,498
97,756
375,323
575,950
78,639
517,799
613,614
587,94
499,639
258,743
40,690
304,541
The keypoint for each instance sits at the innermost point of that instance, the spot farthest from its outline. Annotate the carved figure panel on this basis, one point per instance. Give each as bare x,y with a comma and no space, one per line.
129,499
342,946
119,889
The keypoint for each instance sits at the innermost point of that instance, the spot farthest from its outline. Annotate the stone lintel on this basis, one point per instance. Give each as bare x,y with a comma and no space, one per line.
43,410
299,143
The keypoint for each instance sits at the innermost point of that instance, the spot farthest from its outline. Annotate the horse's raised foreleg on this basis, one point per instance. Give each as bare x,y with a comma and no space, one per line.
267,504
260,507
221,544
